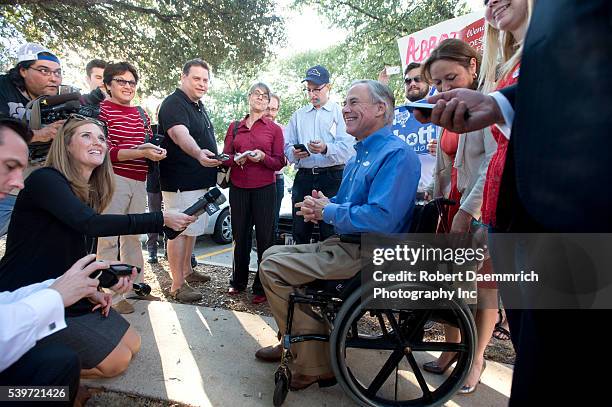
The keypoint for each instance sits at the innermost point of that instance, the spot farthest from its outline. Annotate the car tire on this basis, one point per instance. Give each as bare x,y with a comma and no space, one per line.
223,228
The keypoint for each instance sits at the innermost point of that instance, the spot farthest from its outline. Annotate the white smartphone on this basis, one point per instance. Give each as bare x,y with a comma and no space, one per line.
393,70
243,154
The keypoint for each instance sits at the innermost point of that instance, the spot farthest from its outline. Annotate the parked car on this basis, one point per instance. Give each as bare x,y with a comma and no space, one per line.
219,225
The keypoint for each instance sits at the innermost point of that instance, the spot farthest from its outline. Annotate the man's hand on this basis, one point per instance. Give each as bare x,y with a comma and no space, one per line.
452,106
311,208
317,147
206,160
383,77
258,156
299,154
48,132
461,222
75,283
103,302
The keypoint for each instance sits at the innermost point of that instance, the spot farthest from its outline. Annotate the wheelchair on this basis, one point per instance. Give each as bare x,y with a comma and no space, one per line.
394,337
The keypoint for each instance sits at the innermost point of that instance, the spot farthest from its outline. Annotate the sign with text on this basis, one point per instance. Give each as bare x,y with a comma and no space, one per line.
417,136
417,46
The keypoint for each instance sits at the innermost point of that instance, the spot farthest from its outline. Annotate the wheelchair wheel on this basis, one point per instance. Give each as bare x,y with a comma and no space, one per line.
377,355
282,378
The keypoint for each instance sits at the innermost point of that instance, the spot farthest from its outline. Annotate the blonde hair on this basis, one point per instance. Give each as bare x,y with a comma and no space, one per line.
96,192
501,54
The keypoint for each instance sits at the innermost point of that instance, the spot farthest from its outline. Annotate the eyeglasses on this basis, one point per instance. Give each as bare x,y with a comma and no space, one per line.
260,95
48,72
80,117
416,79
316,91
123,82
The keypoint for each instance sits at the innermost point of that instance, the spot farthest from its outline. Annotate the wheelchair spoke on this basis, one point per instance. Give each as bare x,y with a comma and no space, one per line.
381,322
419,376
439,347
396,329
385,372
373,343
423,318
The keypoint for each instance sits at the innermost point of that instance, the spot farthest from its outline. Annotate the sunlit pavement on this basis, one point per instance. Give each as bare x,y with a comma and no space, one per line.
205,357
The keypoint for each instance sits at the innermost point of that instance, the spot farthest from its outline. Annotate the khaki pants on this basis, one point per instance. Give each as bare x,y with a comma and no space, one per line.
283,269
130,197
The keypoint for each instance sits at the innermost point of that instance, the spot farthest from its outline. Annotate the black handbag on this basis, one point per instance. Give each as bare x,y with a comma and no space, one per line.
223,172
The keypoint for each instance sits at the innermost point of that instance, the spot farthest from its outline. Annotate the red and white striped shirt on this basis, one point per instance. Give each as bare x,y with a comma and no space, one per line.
126,130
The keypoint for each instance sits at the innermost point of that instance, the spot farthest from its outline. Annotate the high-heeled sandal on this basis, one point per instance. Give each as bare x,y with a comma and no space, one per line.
435,368
465,389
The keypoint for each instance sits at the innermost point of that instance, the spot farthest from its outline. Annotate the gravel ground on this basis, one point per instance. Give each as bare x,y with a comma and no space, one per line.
214,295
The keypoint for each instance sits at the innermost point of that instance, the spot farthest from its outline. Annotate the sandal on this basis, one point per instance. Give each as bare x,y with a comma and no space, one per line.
501,333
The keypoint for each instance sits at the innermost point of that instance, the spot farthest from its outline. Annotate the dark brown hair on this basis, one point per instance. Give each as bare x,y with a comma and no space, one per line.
118,68
455,50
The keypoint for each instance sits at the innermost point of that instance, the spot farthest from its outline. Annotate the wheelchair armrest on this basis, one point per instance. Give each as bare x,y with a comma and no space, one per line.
352,238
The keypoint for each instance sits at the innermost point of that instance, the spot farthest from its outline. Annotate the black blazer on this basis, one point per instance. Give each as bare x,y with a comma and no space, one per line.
560,155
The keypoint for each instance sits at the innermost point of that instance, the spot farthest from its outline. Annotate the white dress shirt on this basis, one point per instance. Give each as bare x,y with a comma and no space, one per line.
326,124
507,111
26,316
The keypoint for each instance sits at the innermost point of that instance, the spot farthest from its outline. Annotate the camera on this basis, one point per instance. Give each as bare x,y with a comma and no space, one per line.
50,109
110,276
209,203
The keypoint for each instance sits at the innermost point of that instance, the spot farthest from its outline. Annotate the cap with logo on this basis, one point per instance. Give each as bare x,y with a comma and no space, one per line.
317,75
31,52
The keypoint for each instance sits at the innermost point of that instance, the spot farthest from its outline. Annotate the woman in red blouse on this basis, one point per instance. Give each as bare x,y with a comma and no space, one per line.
256,152
505,30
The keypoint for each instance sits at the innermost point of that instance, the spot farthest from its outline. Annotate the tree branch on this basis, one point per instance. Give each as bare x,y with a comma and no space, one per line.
87,3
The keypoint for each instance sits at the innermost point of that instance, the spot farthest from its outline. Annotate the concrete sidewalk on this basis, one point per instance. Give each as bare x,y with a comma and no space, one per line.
205,357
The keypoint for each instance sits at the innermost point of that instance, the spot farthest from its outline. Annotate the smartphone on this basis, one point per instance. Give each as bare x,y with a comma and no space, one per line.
392,70
424,108
221,157
301,147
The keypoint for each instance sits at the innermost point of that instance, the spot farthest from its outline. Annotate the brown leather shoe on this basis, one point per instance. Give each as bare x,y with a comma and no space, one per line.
187,294
302,381
196,277
270,353
123,307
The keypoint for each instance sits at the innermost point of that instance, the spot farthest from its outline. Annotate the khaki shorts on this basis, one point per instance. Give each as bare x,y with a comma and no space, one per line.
179,201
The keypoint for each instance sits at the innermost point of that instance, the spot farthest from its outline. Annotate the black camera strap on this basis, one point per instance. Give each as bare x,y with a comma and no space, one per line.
146,124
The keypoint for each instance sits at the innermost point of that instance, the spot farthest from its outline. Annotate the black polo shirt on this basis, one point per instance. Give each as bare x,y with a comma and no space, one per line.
178,170
12,101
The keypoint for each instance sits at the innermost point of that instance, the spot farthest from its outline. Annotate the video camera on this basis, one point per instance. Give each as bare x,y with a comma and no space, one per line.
209,203
110,276
48,109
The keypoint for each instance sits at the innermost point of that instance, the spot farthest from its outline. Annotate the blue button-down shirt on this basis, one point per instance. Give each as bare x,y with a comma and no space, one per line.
378,187
326,124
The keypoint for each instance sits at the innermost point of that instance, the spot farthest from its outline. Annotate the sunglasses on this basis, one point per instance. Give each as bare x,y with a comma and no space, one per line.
416,79
80,117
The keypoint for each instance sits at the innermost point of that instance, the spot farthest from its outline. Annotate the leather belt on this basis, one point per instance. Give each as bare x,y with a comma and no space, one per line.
321,170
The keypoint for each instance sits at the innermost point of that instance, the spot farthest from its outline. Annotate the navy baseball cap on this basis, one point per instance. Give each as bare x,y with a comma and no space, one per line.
317,75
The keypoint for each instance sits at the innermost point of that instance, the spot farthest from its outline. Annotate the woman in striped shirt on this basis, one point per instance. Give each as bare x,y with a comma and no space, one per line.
128,127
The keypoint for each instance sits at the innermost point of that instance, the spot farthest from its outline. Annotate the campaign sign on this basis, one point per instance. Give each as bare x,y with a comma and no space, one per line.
417,135
417,46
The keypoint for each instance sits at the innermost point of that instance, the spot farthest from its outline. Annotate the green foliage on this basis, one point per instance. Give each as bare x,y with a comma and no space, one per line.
158,36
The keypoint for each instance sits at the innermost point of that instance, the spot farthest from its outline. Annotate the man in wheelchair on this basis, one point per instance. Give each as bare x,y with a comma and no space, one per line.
377,194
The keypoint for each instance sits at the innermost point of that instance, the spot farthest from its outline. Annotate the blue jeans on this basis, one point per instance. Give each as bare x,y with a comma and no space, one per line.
6,210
